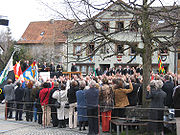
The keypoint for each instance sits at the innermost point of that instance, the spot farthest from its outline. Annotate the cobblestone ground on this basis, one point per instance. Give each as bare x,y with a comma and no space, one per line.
12,127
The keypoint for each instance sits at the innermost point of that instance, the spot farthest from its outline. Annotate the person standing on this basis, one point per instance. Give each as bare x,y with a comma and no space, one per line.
92,98
81,106
9,96
73,68
63,112
168,88
59,69
157,96
106,103
44,98
176,100
29,101
19,95
51,103
72,104
99,71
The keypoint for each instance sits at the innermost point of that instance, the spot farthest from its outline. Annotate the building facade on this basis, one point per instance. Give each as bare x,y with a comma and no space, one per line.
81,44
45,41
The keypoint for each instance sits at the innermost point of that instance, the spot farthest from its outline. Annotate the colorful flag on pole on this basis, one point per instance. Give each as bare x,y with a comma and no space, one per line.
91,58
8,68
95,74
160,66
18,72
31,73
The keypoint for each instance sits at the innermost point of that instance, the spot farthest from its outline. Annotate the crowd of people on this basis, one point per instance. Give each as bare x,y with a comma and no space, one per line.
83,98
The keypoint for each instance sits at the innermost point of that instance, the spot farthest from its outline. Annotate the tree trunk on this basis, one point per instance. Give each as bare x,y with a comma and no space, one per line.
147,53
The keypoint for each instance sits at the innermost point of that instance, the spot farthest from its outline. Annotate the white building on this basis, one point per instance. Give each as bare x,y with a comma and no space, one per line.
84,38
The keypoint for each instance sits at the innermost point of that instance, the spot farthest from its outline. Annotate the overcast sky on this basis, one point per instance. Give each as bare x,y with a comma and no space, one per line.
21,12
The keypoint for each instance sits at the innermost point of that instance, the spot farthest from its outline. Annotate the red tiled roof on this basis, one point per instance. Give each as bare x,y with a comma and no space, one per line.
45,31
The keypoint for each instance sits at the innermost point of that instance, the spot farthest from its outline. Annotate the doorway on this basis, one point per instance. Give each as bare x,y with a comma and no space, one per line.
104,66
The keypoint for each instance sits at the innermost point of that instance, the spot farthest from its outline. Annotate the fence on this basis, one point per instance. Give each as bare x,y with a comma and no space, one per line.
133,113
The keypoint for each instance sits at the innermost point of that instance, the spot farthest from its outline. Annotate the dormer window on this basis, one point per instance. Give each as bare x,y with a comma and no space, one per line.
42,33
105,26
120,26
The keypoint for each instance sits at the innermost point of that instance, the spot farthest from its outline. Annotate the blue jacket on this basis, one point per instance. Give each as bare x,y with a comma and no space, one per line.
81,105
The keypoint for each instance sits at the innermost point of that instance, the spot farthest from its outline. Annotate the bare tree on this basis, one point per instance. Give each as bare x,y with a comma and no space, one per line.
7,43
147,22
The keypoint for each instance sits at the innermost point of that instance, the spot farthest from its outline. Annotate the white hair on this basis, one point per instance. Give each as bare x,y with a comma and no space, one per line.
92,84
159,84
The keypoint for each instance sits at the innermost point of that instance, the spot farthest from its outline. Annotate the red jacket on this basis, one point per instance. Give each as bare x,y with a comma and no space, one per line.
42,94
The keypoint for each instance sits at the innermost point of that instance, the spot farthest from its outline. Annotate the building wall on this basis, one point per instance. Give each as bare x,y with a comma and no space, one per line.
130,36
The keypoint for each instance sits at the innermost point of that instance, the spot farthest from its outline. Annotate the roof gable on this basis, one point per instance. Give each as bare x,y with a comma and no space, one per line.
45,31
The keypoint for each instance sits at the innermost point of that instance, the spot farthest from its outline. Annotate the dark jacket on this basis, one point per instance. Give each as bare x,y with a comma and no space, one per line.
19,94
28,95
168,88
73,68
176,99
72,94
99,72
92,98
157,98
52,100
157,101
133,96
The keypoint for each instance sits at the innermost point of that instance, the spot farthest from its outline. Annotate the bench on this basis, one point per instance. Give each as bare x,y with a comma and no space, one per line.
122,123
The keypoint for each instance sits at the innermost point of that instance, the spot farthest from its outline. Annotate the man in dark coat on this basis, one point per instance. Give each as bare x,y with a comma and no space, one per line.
74,68
99,71
19,94
52,101
59,69
119,70
133,96
157,96
92,98
168,88
127,70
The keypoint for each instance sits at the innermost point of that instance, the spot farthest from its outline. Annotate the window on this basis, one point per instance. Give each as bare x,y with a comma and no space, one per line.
104,49
134,26
77,49
90,49
105,26
85,68
178,56
133,49
120,49
120,26
42,33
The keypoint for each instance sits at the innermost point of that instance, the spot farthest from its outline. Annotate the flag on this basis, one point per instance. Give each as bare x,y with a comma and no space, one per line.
8,68
6,74
160,66
91,58
18,72
95,74
31,73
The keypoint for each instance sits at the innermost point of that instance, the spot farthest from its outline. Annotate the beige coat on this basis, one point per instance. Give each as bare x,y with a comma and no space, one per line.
121,99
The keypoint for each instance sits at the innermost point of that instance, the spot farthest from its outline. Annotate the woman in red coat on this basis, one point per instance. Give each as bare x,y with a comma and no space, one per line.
44,98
